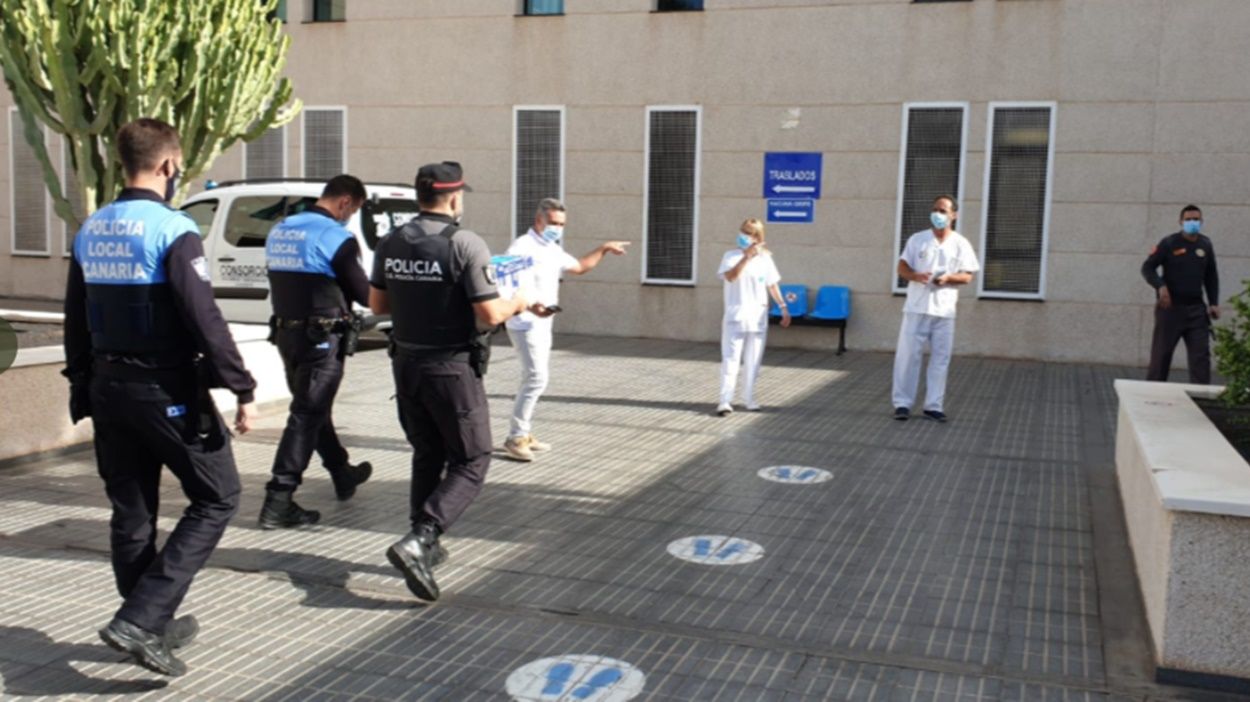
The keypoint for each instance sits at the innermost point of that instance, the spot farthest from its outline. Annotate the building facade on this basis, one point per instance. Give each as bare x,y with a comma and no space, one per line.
1072,131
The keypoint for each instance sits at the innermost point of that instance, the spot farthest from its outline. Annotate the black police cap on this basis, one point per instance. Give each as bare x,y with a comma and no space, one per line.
438,178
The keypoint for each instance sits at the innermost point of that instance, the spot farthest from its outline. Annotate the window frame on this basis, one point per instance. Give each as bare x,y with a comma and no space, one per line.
516,123
286,149
902,173
14,117
303,134
983,253
646,193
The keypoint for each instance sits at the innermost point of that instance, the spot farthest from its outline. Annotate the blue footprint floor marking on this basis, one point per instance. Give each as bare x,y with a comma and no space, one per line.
716,550
576,678
795,475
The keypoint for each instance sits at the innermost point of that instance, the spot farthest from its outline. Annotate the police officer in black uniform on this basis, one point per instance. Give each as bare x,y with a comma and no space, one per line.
1188,261
314,276
437,282
144,341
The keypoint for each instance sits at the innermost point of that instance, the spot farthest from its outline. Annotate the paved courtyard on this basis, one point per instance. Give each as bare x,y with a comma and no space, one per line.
983,559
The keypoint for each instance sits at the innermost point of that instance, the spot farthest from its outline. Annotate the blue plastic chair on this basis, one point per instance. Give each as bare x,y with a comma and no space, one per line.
796,301
833,302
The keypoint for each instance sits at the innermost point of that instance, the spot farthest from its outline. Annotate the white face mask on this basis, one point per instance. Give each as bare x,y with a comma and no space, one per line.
553,233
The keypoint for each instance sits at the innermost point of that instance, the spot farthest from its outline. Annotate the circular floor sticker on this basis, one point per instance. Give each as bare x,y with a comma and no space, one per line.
576,678
716,550
795,475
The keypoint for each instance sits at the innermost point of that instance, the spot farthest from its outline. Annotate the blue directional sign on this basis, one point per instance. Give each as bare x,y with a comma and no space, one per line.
792,174
791,210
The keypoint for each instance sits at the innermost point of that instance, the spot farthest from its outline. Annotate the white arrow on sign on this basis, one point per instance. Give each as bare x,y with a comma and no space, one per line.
793,189
787,213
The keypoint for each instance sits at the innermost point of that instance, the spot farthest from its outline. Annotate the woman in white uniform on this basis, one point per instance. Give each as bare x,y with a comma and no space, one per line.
750,278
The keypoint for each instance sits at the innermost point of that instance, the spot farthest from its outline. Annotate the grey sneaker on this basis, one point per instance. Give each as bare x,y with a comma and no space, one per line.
518,449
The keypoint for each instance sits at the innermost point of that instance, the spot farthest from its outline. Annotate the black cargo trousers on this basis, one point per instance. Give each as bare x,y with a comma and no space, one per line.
1189,322
314,371
443,412
143,420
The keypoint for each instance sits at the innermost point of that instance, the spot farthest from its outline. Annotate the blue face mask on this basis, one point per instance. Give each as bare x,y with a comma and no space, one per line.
553,234
939,220
1192,226
744,241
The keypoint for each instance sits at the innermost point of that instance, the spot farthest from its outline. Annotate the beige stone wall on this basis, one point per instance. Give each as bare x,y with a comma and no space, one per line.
1153,112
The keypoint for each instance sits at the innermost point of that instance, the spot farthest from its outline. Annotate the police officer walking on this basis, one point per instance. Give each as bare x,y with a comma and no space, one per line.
314,277
437,282
1188,261
144,339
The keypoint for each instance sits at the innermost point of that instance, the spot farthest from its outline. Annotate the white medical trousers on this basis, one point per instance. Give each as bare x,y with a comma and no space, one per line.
917,331
740,349
533,349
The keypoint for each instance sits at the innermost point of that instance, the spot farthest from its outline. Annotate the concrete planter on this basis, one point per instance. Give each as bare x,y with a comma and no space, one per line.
34,397
1186,494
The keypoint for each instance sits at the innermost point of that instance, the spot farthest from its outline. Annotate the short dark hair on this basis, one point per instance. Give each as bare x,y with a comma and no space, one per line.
144,143
954,202
1190,208
344,184
429,198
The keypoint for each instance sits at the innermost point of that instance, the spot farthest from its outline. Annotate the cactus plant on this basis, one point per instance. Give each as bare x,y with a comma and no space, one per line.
83,68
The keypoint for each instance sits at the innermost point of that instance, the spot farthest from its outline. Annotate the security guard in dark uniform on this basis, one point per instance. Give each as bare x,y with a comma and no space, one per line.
437,283
145,341
314,276
1188,262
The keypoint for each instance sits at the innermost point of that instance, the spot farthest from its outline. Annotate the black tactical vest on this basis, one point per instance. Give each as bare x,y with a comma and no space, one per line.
429,306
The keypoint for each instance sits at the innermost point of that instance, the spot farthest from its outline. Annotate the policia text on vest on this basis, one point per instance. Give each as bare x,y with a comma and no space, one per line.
314,277
437,283
144,338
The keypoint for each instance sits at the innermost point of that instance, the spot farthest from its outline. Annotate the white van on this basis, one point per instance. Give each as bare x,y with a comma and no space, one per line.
235,218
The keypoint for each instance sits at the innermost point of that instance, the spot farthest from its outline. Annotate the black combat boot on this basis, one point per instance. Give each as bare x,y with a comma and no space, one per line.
280,511
346,478
413,556
148,649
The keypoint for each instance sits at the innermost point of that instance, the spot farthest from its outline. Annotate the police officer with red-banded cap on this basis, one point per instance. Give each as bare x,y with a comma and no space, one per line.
437,283
144,341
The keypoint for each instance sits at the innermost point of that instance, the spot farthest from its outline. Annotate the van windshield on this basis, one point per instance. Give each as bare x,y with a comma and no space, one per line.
378,218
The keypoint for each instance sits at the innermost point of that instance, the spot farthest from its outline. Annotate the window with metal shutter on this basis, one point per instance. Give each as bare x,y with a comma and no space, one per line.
932,165
28,196
266,157
539,159
329,10
672,194
325,142
544,7
1017,200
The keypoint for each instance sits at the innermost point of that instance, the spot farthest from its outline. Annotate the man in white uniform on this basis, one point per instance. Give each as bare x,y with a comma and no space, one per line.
530,331
935,262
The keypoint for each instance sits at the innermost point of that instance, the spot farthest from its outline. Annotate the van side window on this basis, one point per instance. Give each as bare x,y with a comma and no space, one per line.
250,219
202,212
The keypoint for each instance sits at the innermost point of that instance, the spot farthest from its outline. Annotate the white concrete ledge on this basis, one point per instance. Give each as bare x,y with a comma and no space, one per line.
35,317
1194,468
1186,495
34,397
